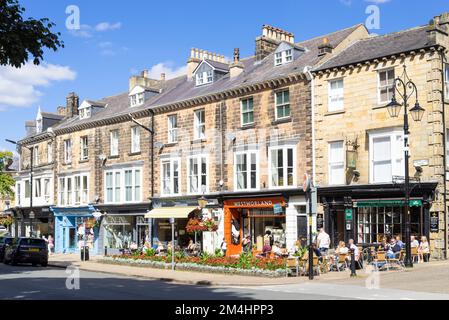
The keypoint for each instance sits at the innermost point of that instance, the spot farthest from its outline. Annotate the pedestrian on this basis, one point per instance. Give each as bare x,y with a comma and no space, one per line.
51,244
323,241
224,247
424,250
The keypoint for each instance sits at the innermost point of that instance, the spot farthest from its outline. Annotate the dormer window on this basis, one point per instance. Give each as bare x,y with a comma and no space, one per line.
209,71
85,112
204,77
138,95
283,57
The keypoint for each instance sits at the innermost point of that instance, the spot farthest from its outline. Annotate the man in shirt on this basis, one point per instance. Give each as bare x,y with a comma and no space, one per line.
323,241
414,243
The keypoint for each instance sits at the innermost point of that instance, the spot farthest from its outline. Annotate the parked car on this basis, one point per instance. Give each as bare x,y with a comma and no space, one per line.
27,250
4,241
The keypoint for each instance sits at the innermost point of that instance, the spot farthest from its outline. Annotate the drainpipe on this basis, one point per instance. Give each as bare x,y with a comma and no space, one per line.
312,84
445,145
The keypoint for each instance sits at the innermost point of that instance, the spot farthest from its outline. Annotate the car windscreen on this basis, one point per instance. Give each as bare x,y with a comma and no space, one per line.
33,242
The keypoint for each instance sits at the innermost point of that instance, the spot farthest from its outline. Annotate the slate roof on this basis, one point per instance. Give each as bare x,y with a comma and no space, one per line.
180,88
218,65
380,46
49,115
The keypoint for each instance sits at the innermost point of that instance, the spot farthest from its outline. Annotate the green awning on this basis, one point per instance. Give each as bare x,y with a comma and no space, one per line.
386,203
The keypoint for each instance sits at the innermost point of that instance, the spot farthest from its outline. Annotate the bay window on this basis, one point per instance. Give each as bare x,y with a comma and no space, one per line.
386,155
336,163
73,190
197,174
246,171
170,177
282,170
123,185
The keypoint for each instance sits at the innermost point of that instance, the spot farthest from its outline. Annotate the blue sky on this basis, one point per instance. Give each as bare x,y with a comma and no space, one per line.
121,38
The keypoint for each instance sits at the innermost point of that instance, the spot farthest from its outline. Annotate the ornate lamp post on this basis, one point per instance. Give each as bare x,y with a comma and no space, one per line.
406,88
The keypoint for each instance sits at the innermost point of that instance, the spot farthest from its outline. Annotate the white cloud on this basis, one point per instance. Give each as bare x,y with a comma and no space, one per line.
167,68
106,26
85,31
20,87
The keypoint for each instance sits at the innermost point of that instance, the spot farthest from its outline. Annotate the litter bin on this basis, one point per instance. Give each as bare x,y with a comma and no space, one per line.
84,253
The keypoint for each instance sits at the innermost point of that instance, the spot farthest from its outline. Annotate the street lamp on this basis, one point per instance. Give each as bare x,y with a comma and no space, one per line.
31,183
406,88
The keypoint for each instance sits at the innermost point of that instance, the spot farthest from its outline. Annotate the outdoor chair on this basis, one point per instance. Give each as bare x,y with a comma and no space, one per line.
292,264
397,261
415,256
381,260
342,262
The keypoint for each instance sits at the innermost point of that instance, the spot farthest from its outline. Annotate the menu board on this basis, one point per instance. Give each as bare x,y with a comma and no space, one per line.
434,222
319,221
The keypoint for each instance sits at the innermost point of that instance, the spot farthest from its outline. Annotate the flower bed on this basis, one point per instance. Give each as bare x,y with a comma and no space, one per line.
244,265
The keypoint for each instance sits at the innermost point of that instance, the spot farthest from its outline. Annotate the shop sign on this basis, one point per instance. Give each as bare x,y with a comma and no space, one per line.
434,222
319,221
348,214
253,203
351,159
386,203
277,208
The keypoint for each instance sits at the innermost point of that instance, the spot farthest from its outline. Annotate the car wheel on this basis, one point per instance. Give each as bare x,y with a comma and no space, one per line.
44,264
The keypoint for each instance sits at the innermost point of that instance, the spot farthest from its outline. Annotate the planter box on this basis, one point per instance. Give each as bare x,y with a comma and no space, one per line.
194,267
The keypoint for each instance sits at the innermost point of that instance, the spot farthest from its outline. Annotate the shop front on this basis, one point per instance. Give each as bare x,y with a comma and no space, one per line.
40,221
254,217
371,213
123,227
76,228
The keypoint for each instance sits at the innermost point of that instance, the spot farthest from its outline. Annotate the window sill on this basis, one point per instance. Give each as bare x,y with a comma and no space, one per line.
248,126
67,163
114,157
282,120
170,144
83,160
380,106
333,113
199,140
132,154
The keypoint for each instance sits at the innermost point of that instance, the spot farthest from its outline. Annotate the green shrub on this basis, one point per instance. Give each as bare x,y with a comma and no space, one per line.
218,253
245,261
151,252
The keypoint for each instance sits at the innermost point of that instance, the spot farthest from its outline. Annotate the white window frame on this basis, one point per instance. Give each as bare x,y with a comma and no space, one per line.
37,187
50,152
85,112
135,139
39,125
82,191
36,156
172,131
283,57
67,151
339,94
380,88
336,164
204,77
248,154
170,162
241,111
284,166
19,193
199,158
120,185
200,127
396,153
114,142
282,105
84,148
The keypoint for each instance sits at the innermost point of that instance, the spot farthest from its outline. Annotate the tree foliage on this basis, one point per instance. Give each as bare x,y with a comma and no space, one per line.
21,38
6,180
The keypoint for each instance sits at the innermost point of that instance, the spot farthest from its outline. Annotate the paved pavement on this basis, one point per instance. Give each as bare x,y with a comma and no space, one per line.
34,283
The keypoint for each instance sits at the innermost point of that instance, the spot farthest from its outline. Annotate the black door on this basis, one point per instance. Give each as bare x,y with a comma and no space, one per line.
302,229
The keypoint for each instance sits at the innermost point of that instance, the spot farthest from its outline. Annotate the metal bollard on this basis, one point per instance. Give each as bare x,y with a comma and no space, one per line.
353,273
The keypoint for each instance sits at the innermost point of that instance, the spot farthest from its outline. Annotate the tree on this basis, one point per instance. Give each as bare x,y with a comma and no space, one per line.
19,38
6,180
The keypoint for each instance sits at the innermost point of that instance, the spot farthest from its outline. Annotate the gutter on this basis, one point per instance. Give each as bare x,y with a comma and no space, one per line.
312,84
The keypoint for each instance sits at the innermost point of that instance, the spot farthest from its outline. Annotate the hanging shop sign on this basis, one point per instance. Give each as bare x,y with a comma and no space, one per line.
348,214
351,159
277,208
434,222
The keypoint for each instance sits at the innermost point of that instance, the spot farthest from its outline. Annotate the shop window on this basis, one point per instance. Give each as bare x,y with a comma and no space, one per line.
336,163
170,177
246,171
118,232
386,154
197,174
282,167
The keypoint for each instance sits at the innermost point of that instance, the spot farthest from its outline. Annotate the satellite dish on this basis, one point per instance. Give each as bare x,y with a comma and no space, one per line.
231,136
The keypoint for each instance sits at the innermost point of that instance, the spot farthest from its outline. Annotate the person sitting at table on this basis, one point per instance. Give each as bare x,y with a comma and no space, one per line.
389,253
276,249
190,247
424,250
317,251
342,248
413,242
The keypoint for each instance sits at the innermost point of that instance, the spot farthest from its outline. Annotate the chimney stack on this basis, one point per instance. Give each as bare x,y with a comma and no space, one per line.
325,48
72,105
237,67
162,76
438,29
270,39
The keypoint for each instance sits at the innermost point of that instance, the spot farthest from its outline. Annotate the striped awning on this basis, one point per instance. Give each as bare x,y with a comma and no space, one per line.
170,212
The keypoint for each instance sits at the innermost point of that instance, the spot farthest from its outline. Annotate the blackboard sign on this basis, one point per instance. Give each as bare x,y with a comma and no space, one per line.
434,222
319,221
